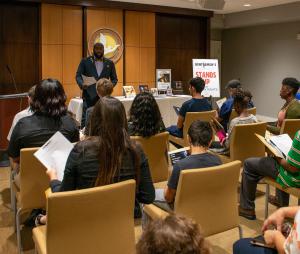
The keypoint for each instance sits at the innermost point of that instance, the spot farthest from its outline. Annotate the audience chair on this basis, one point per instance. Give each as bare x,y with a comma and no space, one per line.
94,220
290,126
30,193
234,114
290,190
205,196
156,150
190,117
243,142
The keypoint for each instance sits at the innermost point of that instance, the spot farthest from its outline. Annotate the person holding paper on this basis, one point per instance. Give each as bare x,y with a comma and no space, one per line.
49,116
232,87
291,108
285,171
89,71
197,104
108,156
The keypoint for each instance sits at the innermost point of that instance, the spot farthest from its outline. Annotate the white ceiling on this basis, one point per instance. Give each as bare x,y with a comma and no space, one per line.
230,5
238,5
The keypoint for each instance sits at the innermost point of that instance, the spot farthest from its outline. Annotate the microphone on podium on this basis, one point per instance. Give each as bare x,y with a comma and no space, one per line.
13,78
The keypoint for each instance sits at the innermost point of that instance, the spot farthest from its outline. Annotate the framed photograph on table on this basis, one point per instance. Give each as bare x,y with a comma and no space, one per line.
163,79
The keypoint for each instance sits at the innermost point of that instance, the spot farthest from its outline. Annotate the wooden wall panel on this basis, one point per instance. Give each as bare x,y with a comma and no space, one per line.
52,61
62,44
51,24
19,46
107,18
140,48
179,40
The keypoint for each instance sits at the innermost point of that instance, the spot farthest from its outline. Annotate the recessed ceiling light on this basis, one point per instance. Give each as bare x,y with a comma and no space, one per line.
247,5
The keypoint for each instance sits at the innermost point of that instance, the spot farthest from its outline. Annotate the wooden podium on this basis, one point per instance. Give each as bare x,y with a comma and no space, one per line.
10,105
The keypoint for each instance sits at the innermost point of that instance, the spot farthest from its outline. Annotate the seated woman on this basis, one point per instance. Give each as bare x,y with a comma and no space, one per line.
291,108
276,235
49,116
144,116
107,156
240,104
174,234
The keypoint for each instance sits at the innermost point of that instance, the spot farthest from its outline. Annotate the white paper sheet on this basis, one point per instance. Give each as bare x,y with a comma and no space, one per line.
221,102
88,80
54,153
282,142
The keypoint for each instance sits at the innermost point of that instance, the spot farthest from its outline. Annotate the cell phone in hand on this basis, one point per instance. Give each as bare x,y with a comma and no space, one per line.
260,241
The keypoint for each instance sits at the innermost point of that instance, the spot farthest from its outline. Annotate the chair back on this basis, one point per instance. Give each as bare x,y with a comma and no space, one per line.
156,150
33,180
209,196
243,142
234,113
190,117
290,127
94,220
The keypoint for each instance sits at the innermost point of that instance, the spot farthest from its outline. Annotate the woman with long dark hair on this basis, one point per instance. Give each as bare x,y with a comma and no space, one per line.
107,156
145,119
49,116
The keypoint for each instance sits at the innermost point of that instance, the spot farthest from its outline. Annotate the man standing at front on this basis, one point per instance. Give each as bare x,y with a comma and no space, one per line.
96,66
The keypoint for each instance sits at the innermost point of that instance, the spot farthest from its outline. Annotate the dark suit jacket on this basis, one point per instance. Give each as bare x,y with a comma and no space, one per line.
87,67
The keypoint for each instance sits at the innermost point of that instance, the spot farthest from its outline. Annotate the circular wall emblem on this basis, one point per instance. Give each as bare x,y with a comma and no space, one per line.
113,44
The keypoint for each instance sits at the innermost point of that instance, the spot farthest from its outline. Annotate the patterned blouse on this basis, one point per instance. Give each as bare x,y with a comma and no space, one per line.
292,243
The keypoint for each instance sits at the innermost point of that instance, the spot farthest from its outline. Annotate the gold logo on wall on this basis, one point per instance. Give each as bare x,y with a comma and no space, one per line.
113,44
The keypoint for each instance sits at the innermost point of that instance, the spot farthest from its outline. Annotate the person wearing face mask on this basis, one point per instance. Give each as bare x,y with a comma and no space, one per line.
96,66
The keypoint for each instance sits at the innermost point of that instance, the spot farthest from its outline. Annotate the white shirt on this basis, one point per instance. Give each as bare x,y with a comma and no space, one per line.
292,243
18,116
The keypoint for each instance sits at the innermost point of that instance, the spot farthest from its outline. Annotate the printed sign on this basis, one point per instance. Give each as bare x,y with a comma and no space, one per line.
208,69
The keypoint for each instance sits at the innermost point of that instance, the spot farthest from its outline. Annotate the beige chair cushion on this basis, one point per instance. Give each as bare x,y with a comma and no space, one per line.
204,195
90,220
39,237
293,191
156,150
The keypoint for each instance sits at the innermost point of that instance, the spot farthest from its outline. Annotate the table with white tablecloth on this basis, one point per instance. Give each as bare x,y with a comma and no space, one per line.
165,104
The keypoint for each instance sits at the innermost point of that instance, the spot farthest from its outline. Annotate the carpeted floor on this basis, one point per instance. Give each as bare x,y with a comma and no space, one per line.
221,243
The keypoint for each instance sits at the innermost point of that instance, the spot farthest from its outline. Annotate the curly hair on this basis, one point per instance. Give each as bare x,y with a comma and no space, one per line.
49,99
172,235
145,115
240,101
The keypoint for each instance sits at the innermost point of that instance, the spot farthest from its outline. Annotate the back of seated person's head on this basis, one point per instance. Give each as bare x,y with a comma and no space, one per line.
145,115
31,95
197,85
240,102
233,86
248,95
293,84
172,235
109,124
104,87
49,98
200,133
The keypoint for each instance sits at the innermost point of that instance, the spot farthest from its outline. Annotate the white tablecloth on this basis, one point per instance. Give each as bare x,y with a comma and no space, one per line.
165,105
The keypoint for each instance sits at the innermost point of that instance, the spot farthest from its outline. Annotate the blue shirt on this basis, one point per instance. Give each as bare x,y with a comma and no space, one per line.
225,112
194,105
298,96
